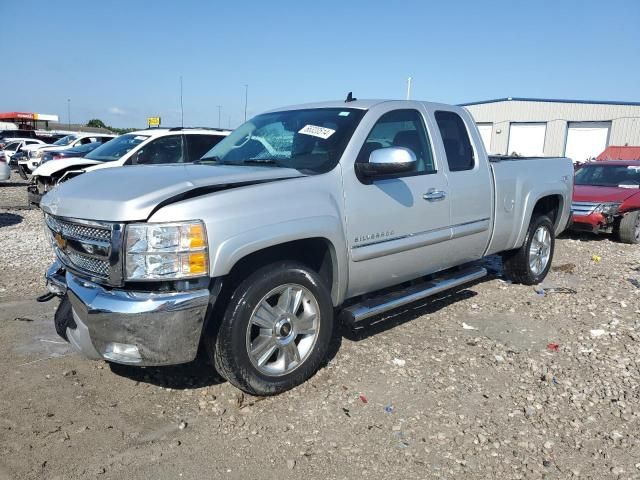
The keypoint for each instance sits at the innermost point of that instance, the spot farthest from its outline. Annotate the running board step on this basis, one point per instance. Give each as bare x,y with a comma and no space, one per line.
371,307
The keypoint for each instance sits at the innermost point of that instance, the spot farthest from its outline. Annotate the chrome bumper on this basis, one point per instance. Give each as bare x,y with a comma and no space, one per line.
137,328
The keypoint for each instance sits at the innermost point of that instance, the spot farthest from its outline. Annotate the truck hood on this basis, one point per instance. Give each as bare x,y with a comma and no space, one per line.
132,193
53,166
592,193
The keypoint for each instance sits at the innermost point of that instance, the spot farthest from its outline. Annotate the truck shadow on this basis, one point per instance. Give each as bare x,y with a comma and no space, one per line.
197,374
9,219
409,313
428,306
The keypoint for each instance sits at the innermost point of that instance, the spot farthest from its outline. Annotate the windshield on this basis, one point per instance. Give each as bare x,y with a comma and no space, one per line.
64,141
116,148
12,146
627,176
309,140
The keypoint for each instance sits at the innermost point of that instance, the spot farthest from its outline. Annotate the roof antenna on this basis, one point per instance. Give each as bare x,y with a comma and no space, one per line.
350,98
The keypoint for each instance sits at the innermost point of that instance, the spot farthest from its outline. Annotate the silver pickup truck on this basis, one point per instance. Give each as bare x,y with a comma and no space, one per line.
302,217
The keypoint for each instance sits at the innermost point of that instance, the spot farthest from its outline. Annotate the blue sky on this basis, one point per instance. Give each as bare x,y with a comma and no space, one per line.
121,61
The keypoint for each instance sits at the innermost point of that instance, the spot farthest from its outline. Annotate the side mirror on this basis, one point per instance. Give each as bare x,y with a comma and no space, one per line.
388,161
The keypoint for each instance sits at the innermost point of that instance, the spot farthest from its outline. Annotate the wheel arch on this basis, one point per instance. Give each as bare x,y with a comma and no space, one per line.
319,248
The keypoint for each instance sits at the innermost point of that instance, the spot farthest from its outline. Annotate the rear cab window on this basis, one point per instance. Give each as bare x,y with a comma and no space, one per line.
457,145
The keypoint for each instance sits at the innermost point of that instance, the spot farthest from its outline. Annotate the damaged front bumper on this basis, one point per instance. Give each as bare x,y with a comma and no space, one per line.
33,195
135,328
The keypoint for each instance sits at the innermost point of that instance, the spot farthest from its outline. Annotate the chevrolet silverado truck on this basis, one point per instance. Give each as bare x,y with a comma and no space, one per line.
606,199
301,218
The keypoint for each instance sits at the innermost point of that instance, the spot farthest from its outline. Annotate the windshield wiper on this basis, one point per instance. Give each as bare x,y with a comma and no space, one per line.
254,161
207,159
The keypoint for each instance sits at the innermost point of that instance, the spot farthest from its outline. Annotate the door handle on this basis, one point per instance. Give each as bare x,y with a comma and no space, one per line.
433,194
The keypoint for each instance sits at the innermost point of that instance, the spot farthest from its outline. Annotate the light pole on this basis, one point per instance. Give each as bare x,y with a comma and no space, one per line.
219,115
409,88
69,113
246,96
181,105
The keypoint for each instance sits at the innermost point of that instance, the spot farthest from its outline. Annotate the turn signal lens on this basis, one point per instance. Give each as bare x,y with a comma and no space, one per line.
195,236
197,263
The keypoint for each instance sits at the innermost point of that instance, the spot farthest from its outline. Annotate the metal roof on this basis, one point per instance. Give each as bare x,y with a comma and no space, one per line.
620,153
550,100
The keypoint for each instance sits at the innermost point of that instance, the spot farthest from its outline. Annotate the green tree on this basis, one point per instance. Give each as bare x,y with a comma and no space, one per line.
96,123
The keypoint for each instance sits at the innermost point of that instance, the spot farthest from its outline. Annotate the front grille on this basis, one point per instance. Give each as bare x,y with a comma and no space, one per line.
93,265
583,208
87,248
78,231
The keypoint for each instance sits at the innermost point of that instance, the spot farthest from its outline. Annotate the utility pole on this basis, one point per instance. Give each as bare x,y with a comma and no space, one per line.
181,105
409,88
219,115
246,97
69,113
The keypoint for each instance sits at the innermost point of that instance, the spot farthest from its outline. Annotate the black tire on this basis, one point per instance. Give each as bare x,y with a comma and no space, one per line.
629,229
516,262
228,350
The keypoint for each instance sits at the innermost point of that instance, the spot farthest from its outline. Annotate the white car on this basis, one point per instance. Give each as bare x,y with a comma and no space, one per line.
144,147
35,153
16,144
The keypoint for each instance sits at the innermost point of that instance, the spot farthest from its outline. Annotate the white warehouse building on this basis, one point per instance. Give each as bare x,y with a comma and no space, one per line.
578,129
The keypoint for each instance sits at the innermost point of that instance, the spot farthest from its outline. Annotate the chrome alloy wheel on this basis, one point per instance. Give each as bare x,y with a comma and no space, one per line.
283,329
637,232
540,250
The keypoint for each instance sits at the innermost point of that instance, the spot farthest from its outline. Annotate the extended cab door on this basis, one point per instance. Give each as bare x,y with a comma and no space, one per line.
397,226
470,184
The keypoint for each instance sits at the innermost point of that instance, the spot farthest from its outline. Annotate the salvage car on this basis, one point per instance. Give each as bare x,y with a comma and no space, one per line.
75,152
606,199
34,155
302,217
144,147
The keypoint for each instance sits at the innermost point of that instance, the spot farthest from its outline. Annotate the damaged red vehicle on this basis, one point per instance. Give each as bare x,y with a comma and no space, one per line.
606,198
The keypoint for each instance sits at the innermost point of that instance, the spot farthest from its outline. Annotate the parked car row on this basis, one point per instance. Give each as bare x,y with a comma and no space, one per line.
35,153
144,147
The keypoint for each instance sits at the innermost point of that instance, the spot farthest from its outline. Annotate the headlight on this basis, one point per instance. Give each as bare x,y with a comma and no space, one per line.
166,251
35,154
607,208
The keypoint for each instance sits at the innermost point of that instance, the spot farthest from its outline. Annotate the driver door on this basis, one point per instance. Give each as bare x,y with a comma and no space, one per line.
398,226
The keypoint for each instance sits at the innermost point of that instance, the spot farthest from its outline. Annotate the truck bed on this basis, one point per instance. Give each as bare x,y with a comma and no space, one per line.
518,182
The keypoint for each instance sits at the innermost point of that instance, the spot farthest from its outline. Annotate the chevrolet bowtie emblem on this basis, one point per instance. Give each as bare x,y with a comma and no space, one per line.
62,243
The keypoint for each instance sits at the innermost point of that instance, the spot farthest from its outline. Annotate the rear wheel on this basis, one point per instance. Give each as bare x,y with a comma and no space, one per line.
276,329
629,229
530,263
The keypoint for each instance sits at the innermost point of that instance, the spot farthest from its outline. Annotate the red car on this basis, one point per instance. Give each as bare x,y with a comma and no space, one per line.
606,198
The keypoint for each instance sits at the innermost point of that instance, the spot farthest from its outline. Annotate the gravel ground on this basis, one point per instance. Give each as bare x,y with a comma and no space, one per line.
494,381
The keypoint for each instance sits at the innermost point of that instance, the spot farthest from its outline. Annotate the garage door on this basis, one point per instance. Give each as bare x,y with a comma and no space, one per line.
527,139
485,132
586,140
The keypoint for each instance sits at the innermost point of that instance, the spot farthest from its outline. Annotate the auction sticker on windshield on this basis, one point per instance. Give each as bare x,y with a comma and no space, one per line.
315,131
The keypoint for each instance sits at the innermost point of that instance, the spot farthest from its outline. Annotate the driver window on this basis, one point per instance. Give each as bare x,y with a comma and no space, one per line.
167,149
401,128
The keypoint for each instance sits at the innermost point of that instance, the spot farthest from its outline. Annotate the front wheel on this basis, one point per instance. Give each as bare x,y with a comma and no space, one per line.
276,330
530,263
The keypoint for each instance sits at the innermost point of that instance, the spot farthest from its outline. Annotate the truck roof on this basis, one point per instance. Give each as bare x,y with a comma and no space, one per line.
363,104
